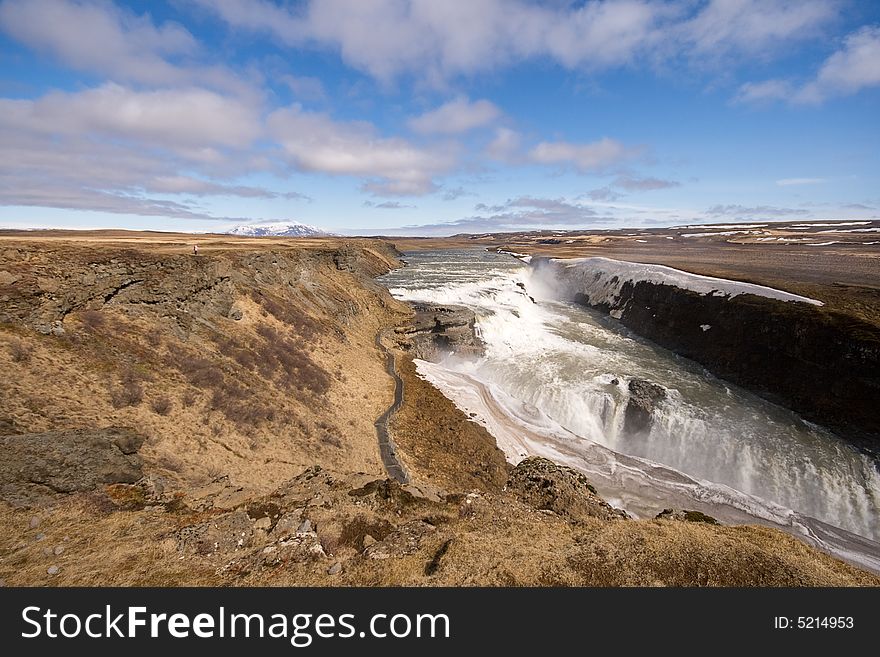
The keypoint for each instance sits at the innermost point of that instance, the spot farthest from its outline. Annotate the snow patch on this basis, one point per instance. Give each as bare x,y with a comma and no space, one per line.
721,234
839,223
853,230
518,256
276,229
602,280
722,226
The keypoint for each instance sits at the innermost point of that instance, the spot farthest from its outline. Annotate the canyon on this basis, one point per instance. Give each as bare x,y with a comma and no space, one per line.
211,419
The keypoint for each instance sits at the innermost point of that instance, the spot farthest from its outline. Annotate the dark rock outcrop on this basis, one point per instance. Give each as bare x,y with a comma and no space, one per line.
546,485
436,329
685,516
39,467
180,287
822,364
644,397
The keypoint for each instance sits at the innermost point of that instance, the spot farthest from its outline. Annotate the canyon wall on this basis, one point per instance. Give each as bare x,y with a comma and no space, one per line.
822,364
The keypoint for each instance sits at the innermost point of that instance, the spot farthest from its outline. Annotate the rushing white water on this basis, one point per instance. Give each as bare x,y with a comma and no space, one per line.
554,382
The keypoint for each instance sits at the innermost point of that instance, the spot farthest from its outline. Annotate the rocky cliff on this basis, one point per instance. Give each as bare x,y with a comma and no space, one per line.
253,362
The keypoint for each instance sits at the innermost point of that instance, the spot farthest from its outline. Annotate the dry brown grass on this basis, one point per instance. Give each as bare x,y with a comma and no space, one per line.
92,319
19,351
161,405
440,444
287,313
121,548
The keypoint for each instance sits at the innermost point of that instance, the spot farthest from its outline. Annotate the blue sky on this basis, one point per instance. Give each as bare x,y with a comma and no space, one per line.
415,116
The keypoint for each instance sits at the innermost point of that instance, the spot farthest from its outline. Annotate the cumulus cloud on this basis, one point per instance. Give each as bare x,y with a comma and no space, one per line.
505,146
115,149
455,117
314,142
453,193
519,213
99,37
855,66
180,118
593,156
725,27
436,40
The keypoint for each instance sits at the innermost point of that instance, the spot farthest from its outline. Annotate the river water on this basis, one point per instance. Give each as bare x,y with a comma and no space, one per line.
553,382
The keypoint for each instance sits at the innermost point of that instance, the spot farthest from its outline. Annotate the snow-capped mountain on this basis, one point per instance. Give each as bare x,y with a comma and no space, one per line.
276,229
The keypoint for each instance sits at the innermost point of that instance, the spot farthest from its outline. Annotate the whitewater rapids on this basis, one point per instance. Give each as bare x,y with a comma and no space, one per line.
553,382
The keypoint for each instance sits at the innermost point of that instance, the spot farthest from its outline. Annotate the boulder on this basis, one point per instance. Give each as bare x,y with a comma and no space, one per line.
227,533
436,329
39,467
407,539
685,516
546,485
644,397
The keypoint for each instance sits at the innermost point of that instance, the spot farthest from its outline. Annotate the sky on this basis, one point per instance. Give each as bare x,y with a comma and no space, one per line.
427,117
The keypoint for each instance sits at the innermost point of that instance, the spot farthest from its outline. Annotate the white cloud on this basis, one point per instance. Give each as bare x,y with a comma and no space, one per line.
790,182
524,212
437,40
505,146
455,117
115,149
305,87
183,119
99,37
768,90
725,27
853,67
594,156
314,142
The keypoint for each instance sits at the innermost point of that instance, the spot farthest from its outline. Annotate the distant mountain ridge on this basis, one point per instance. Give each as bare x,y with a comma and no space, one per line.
276,229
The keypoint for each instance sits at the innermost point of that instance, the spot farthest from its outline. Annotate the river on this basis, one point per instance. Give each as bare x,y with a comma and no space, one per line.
553,382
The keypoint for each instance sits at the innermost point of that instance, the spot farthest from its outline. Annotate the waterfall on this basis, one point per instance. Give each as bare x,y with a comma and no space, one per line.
568,368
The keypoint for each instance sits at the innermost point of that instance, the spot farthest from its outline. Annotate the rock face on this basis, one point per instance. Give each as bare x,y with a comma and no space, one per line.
685,516
181,287
436,330
644,397
545,485
820,363
38,467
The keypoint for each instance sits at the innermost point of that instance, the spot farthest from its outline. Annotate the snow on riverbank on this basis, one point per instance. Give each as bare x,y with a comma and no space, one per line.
602,279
